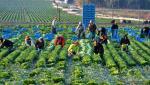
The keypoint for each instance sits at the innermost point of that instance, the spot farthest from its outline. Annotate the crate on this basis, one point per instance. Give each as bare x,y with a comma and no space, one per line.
88,14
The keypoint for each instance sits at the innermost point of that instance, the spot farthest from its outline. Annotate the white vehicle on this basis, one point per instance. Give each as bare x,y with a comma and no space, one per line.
74,8
59,1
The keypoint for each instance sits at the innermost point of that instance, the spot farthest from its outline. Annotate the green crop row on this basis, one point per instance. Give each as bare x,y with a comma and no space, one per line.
117,57
54,54
3,53
42,59
109,59
86,60
21,58
10,58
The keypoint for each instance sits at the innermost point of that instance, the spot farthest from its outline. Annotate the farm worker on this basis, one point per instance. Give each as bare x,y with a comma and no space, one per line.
28,41
124,21
146,22
125,42
6,43
102,31
121,21
114,30
80,31
54,24
73,48
98,48
103,39
92,29
60,40
145,32
39,44
113,21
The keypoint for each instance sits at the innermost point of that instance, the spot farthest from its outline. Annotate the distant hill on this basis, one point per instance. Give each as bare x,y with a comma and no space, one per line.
124,4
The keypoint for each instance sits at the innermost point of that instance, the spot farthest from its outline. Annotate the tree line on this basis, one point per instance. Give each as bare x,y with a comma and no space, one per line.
120,4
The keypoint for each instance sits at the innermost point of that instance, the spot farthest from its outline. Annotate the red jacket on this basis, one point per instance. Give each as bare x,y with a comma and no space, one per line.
59,41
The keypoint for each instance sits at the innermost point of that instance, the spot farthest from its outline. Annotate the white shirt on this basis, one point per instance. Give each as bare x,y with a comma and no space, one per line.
54,23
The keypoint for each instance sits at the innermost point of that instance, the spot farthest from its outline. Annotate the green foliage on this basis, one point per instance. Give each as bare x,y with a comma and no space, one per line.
35,72
138,58
84,70
135,73
61,65
128,59
58,79
109,60
92,82
4,75
63,55
44,81
31,56
147,82
22,56
120,83
29,81
10,58
42,59
54,54
25,65
86,60
3,53
114,71
52,57
77,73
76,57
117,58
104,83
96,58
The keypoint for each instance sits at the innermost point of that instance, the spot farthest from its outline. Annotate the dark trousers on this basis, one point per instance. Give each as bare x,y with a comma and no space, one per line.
53,30
92,35
81,35
10,49
97,50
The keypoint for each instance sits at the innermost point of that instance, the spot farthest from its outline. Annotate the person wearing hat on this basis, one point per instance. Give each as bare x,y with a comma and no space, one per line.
73,48
53,25
28,41
39,44
80,31
60,40
92,28
124,43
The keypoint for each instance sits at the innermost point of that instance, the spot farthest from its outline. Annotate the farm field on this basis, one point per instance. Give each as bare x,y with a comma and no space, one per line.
33,11
51,66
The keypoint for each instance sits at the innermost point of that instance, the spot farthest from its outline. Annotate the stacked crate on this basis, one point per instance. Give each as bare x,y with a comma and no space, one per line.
88,14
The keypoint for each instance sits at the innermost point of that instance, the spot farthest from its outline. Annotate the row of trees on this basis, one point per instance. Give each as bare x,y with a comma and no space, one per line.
124,4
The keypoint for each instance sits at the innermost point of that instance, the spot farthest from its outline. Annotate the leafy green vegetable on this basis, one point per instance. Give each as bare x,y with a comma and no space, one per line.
86,60
29,81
